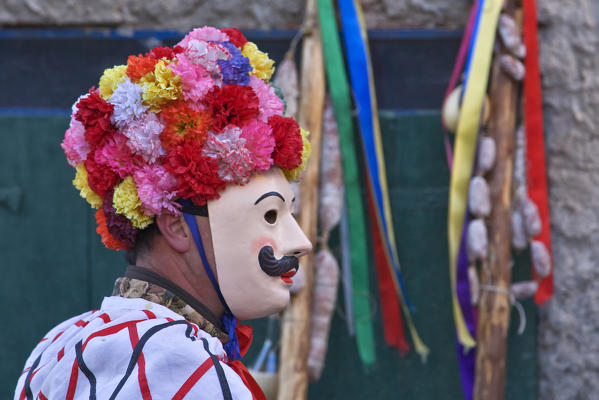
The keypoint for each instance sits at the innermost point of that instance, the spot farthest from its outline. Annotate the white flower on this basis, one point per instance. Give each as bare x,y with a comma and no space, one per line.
127,102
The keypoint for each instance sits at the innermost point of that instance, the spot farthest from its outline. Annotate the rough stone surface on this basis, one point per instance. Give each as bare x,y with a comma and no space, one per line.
185,14
569,327
569,34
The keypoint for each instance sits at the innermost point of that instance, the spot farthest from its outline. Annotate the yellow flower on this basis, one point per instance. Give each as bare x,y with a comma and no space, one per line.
126,202
262,66
294,174
160,86
80,182
110,79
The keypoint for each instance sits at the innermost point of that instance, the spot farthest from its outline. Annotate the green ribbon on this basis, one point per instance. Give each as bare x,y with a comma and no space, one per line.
341,99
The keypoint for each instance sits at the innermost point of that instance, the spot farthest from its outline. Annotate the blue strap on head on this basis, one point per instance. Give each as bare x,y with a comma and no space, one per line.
228,319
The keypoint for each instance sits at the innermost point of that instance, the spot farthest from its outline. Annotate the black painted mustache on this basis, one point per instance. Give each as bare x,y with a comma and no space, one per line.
274,267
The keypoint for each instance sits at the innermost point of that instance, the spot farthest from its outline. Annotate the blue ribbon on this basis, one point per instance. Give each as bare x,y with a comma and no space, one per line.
228,319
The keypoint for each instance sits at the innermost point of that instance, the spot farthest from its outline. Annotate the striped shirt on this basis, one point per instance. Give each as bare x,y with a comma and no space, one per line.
129,349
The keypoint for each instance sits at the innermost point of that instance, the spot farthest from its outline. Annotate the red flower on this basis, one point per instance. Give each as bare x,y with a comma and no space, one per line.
94,113
183,123
197,176
231,104
288,139
100,178
160,52
138,66
235,36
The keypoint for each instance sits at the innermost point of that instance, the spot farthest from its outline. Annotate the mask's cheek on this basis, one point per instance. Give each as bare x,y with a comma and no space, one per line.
261,242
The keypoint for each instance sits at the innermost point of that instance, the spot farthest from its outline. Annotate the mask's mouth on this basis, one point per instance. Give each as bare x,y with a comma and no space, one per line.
285,267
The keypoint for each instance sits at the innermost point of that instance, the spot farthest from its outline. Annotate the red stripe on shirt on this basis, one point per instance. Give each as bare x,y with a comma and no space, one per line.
81,323
73,381
105,318
150,314
141,365
193,379
57,336
111,330
41,396
60,354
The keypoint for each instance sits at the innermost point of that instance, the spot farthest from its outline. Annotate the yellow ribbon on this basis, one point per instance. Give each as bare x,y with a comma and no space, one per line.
465,146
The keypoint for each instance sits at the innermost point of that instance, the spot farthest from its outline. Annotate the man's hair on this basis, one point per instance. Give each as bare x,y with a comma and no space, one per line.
143,243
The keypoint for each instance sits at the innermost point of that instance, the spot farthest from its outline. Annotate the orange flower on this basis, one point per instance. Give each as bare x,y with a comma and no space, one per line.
138,66
109,241
182,123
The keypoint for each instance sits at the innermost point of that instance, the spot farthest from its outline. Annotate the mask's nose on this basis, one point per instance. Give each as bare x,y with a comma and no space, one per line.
296,243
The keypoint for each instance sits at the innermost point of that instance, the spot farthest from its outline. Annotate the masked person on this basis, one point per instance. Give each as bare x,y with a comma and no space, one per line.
186,155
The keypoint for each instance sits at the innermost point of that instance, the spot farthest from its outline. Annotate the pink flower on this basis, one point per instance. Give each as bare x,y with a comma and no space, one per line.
196,81
144,137
235,161
156,189
206,33
270,103
116,155
74,144
260,142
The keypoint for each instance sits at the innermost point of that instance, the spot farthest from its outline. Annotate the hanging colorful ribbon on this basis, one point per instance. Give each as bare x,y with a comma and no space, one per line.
360,70
535,143
465,145
341,99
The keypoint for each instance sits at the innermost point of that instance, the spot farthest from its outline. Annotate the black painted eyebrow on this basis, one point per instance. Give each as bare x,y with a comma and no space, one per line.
265,195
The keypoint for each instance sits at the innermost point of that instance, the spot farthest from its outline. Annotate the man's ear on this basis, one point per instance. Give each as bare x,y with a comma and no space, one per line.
175,231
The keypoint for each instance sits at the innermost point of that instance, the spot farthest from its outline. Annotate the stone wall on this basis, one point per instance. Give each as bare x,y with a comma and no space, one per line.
185,14
569,329
569,34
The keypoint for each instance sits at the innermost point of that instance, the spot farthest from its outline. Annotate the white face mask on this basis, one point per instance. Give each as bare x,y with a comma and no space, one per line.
256,239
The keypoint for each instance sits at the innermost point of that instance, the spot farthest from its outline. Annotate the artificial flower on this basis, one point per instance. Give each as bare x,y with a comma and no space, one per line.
144,137
235,70
110,79
260,142
231,104
100,177
74,144
107,239
197,176
138,66
205,34
207,54
235,36
116,155
183,123
263,67
288,149
156,189
295,174
159,52
80,182
161,86
196,81
235,163
126,202
119,226
127,102
269,102
95,113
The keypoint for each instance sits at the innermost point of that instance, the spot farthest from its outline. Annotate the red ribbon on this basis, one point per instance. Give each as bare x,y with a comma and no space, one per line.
535,141
245,334
392,323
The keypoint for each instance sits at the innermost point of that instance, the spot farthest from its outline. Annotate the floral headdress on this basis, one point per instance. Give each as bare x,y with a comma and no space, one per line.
178,123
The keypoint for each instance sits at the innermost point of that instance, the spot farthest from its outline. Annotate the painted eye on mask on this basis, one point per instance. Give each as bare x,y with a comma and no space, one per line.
271,216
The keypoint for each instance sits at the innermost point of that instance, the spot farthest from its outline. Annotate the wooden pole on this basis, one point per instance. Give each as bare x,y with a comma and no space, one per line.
295,330
494,305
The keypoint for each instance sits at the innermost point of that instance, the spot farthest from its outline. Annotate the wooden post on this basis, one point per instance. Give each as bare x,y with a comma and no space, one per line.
295,330
494,305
